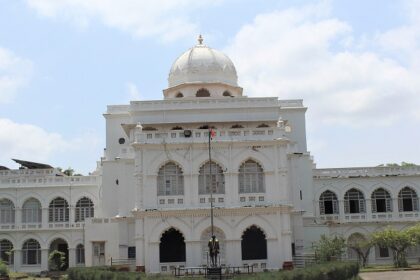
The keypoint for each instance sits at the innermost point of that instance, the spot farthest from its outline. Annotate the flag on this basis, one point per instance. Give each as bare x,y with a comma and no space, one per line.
212,133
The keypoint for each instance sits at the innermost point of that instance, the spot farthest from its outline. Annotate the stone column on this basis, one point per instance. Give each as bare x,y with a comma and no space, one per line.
190,258
395,208
71,214
368,209
18,218
72,257
44,258
341,210
44,218
139,239
17,259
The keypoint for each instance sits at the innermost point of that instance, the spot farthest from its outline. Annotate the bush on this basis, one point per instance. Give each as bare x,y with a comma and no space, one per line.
4,269
57,260
100,273
326,271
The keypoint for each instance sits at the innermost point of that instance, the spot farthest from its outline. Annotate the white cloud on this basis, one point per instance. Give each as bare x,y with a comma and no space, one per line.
303,53
33,143
167,19
14,73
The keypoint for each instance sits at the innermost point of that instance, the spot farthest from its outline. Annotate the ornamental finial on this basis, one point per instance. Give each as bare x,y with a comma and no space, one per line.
200,39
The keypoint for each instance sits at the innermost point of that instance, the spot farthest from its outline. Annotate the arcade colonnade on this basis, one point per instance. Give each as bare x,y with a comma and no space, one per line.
262,239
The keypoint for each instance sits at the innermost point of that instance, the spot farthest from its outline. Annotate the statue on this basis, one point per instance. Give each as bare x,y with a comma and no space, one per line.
214,250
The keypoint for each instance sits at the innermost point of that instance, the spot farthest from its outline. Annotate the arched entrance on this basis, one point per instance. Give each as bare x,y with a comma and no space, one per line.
254,244
205,237
61,246
172,246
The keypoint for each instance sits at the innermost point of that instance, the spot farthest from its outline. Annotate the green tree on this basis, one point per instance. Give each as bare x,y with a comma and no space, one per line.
4,270
57,260
69,171
361,246
397,241
329,248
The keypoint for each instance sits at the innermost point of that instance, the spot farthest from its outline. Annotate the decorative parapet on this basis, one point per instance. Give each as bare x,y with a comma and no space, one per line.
360,172
42,181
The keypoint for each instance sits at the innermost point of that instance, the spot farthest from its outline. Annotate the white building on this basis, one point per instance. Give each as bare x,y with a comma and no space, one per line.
150,196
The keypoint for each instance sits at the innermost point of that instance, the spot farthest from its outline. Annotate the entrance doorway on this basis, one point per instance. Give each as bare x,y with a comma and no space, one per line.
254,244
61,246
98,253
172,246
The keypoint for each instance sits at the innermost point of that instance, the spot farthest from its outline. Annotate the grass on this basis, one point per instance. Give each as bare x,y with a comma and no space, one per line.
381,268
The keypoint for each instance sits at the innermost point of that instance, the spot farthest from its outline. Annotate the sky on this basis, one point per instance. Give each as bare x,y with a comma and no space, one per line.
355,64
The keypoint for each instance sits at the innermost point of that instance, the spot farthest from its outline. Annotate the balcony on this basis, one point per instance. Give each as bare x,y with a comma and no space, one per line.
201,135
45,181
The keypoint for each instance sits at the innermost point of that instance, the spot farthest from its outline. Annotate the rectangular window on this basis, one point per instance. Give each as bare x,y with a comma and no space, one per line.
383,252
131,252
354,206
380,205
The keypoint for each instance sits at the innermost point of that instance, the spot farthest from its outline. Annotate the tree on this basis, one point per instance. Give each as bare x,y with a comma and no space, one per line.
361,246
69,171
329,248
398,241
57,260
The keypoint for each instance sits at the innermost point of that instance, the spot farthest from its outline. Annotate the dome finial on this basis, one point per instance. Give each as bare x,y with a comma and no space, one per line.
200,39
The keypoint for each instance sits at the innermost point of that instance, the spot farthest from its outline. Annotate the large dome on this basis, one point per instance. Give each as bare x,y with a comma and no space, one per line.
202,64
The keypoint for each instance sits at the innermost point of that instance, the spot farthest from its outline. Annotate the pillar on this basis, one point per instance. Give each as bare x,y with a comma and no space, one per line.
44,259
45,218
17,259
18,217
72,257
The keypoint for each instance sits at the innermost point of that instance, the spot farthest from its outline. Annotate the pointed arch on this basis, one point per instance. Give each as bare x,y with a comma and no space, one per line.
58,210
172,246
354,202
381,201
254,244
170,180
6,251
251,177
328,203
214,182
84,209
202,93
408,200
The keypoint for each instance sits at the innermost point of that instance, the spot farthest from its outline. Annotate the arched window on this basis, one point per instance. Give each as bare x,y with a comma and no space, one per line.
58,211
381,201
80,254
179,95
408,200
6,251
328,203
354,202
202,93
177,128
227,94
216,182
251,178
254,244
170,180
7,211
172,246
237,126
31,252
262,125
31,211
84,209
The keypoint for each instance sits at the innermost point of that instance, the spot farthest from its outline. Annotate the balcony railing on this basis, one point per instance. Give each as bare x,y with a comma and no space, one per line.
31,181
201,135
366,172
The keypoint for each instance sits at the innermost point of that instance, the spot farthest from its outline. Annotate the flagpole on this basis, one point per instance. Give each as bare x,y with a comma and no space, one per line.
211,187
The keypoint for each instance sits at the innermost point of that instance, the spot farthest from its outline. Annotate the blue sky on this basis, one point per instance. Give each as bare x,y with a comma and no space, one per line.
354,63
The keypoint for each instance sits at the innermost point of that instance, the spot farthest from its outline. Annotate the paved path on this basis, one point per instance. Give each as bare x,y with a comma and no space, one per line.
391,275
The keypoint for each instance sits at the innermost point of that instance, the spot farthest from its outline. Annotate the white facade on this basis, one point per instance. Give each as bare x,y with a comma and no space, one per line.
153,183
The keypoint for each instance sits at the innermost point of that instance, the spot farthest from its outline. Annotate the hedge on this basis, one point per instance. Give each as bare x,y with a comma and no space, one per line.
326,271
99,273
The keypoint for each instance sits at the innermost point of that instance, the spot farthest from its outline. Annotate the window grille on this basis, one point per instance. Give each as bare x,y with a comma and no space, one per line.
31,252
84,209
216,182
408,200
80,254
381,201
131,252
328,203
58,211
170,180
31,211
251,178
6,251
354,202
7,211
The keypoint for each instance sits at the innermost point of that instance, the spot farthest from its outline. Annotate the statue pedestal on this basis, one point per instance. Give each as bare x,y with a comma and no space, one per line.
214,273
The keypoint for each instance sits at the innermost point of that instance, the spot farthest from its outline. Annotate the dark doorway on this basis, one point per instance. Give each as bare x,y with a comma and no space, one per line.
380,205
407,204
328,205
354,206
254,244
61,246
172,246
